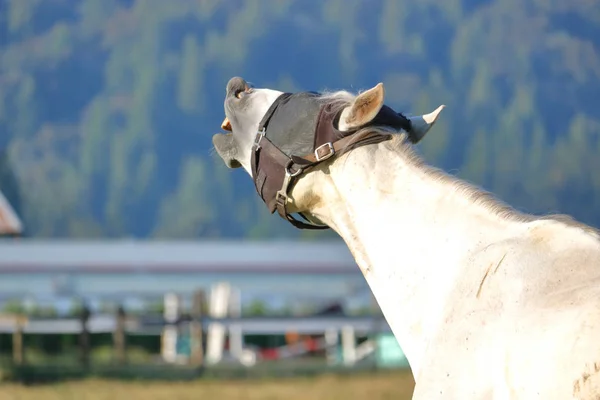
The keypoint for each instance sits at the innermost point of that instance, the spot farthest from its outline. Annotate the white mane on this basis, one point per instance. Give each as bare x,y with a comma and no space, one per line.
478,196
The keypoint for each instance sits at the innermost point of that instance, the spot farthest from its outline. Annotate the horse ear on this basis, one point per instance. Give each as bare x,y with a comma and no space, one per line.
363,109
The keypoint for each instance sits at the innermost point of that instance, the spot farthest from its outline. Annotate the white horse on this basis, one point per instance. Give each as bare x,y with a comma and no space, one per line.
486,302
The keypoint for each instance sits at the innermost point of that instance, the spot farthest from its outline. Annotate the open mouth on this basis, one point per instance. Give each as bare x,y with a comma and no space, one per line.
226,125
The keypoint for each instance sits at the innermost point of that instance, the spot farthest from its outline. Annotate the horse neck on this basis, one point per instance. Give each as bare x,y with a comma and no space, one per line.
411,232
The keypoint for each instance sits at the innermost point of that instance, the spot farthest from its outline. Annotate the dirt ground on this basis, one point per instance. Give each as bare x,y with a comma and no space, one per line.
383,385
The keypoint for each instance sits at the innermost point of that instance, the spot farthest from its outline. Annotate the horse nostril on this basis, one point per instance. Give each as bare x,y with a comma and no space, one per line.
235,86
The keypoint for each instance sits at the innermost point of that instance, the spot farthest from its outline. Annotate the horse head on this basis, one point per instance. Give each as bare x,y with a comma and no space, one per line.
246,106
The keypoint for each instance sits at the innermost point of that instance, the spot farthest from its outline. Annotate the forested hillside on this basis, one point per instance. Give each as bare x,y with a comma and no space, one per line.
107,107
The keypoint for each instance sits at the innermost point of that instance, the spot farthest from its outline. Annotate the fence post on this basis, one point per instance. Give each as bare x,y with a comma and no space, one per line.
215,332
236,335
17,339
348,345
84,337
332,340
198,305
171,315
119,339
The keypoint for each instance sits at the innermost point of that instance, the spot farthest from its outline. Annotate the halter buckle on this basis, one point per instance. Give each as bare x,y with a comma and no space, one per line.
326,146
259,135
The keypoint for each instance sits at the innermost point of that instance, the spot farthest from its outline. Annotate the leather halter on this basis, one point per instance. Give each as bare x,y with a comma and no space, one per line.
274,172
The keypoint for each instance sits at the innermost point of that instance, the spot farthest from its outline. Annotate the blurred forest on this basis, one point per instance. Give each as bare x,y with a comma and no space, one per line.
107,107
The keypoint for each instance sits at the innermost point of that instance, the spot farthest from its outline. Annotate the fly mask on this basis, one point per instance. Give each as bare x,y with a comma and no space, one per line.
278,159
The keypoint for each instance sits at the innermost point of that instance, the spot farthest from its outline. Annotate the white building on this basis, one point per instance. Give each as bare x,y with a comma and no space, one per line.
124,271
10,224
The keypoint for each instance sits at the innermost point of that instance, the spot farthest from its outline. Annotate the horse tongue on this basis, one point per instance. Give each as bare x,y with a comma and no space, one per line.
226,125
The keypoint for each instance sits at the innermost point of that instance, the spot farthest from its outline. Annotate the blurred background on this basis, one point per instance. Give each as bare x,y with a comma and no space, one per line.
126,241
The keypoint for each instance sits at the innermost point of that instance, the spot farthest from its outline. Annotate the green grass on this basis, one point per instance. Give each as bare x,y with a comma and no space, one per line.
372,386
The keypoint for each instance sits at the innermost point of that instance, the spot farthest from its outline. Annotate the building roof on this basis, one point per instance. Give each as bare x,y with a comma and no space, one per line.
31,255
10,224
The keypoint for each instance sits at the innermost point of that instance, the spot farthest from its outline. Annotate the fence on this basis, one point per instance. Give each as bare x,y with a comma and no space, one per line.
203,331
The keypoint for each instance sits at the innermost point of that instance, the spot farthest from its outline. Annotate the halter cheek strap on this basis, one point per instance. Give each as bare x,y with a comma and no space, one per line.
274,172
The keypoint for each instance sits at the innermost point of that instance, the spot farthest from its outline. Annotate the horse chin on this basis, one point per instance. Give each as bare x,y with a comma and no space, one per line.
226,148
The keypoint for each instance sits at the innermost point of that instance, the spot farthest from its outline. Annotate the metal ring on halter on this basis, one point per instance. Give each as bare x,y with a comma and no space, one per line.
287,171
281,195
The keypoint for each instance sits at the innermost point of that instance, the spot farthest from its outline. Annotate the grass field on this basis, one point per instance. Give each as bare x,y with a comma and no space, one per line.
396,385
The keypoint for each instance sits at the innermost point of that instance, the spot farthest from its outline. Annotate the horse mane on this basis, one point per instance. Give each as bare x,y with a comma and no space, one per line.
400,144
476,194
